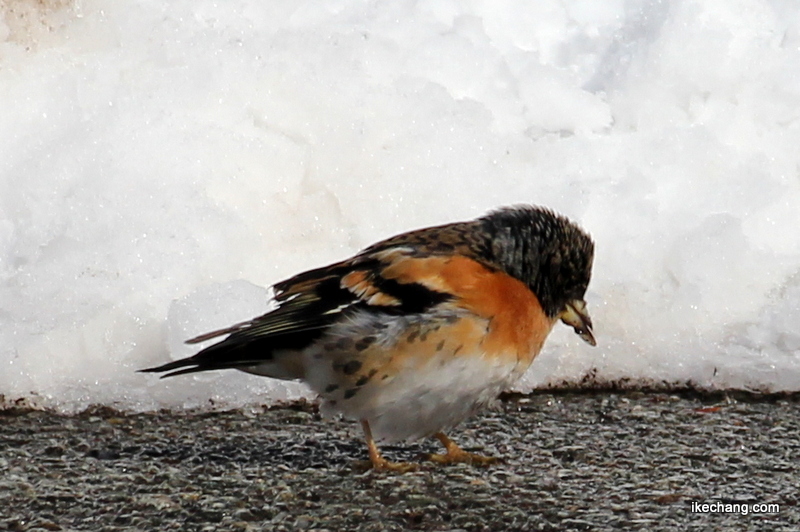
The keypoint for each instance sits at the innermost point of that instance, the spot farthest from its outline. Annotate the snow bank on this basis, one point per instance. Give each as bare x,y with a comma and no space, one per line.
161,161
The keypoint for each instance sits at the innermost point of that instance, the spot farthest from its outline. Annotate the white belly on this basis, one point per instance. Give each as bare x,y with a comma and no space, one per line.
420,401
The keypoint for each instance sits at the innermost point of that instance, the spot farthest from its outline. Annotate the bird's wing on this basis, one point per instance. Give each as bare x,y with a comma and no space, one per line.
312,300
315,299
308,303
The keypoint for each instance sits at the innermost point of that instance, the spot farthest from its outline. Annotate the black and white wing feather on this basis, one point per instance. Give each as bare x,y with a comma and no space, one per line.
308,304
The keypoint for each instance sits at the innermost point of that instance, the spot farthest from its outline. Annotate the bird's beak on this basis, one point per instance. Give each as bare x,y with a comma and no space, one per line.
575,316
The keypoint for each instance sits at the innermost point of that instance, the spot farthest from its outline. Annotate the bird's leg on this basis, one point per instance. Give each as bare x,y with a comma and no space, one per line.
456,454
378,462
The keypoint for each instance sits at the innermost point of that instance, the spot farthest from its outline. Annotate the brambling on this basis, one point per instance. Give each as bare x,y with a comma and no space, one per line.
419,331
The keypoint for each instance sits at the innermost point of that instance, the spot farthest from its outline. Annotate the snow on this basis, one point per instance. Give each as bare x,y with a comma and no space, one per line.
164,163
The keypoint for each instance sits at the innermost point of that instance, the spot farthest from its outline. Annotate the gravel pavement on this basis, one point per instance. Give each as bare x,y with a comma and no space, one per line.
573,461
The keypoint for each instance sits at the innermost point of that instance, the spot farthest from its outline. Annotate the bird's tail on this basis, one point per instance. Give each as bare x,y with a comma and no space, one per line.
277,357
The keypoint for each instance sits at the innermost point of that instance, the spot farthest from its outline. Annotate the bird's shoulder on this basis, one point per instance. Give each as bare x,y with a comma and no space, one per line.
371,272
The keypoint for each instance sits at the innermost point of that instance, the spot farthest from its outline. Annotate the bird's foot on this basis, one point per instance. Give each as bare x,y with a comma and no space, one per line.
457,455
385,465
378,462
463,457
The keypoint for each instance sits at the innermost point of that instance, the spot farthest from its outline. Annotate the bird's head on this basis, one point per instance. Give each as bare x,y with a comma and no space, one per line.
550,254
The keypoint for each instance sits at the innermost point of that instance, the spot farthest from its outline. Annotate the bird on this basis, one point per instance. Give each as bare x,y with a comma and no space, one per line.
416,333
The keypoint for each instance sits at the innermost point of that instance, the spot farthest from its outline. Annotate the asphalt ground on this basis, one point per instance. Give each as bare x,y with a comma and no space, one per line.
571,461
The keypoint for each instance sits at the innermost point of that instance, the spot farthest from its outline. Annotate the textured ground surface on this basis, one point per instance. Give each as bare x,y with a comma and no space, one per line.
589,461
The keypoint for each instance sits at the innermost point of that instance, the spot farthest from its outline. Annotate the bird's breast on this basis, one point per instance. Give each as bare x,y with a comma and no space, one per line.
413,376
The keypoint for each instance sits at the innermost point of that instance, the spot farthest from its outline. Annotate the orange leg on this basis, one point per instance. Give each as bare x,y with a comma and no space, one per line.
378,462
456,454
